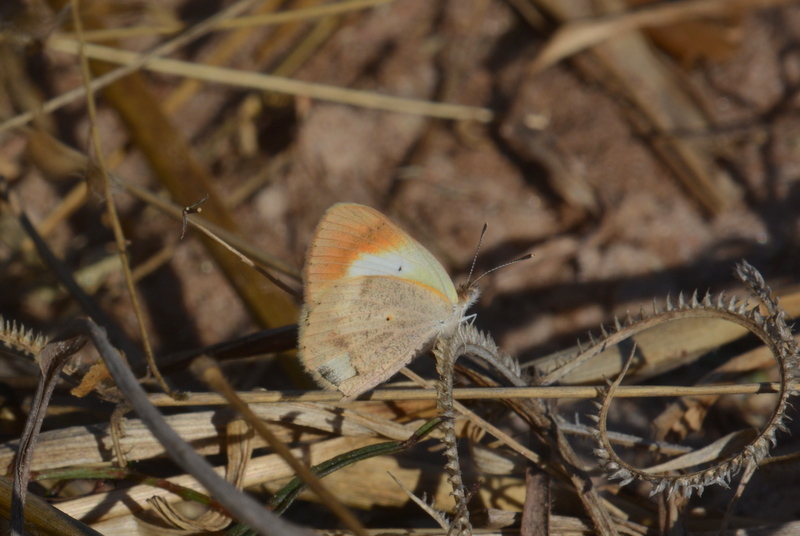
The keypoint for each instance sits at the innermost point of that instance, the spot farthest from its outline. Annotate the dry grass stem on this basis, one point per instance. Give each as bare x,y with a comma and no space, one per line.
264,82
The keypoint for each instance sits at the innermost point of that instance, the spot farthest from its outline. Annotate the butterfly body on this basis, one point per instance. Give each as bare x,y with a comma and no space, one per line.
374,299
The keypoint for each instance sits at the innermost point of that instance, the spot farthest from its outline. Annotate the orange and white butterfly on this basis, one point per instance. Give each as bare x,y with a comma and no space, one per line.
375,298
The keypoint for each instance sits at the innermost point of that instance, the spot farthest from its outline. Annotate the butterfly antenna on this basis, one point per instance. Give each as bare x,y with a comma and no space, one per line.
475,258
523,258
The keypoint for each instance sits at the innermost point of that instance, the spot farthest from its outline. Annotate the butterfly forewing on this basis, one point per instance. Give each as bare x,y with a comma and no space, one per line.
353,241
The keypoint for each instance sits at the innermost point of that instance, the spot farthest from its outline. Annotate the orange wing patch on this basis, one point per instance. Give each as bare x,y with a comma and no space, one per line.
344,234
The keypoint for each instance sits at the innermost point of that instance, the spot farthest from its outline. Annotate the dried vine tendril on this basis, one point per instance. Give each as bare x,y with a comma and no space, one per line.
17,338
771,328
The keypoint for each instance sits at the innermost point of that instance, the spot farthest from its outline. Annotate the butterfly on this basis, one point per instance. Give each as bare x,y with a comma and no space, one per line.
375,298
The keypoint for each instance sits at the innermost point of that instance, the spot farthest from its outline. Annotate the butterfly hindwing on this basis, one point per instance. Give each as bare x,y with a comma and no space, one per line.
363,330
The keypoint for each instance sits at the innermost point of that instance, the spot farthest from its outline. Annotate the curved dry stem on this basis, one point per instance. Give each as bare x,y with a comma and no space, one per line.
563,460
776,335
445,366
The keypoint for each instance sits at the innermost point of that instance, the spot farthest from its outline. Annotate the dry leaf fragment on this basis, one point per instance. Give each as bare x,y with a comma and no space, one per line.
239,447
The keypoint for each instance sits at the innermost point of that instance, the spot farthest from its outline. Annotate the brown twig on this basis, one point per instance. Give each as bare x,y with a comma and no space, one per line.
52,359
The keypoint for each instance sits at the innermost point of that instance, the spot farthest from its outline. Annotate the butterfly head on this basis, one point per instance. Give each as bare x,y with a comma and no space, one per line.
468,294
